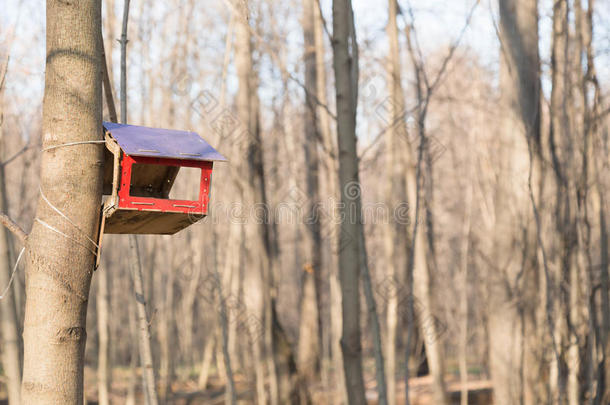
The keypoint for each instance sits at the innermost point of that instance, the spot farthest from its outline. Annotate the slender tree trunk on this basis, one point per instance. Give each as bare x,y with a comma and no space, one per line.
104,368
346,80
331,187
230,392
593,112
226,323
419,267
397,148
464,255
11,339
263,245
311,306
60,264
308,331
167,338
367,286
132,382
109,22
206,361
146,360
257,298
514,345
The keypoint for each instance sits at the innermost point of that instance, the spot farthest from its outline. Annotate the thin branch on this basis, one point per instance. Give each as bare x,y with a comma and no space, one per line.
274,57
13,227
379,135
123,42
4,70
328,34
107,86
420,63
25,148
453,47
545,266
420,54
309,94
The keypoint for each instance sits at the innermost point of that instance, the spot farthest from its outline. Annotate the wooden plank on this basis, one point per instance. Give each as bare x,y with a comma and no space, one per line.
124,221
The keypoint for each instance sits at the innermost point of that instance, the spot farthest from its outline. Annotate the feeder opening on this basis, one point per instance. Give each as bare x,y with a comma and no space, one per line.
155,181
186,184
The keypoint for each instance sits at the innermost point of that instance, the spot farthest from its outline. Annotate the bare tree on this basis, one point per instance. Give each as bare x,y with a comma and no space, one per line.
345,63
262,233
310,328
513,289
146,359
11,341
396,149
61,245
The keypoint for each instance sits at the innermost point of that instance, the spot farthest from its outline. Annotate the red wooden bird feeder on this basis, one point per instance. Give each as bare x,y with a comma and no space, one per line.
141,165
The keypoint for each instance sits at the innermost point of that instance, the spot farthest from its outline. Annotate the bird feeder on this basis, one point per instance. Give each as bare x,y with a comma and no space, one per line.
141,165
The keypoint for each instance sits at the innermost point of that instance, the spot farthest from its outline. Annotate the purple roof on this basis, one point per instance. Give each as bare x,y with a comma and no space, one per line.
164,143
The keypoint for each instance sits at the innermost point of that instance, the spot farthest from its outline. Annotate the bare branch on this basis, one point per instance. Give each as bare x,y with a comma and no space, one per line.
3,74
453,47
107,87
13,227
276,59
328,34
25,148
420,63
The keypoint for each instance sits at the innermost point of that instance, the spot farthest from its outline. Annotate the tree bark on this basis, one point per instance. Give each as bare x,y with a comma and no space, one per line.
146,360
464,256
311,307
11,340
346,81
167,338
395,193
419,267
11,337
104,368
263,246
330,175
59,265
132,384
247,113
513,341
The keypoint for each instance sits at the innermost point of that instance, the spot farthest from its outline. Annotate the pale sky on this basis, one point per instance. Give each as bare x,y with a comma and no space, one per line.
438,23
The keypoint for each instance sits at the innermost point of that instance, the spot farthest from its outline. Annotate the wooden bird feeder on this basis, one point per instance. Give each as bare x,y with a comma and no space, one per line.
141,165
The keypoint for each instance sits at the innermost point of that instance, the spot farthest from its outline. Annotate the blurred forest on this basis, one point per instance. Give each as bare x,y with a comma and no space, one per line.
414,208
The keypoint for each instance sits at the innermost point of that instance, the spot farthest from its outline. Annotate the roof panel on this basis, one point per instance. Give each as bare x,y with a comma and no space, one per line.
164,143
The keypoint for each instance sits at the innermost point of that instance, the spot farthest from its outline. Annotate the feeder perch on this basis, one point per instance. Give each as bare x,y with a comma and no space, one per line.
141,165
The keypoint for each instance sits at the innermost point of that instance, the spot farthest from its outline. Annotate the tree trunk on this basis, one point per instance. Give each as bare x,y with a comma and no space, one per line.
513,341
346,81
311,306
419,267
464,256
206,361
262,247
11,339
308,349
331,189
104,367
146,360
247,112
132,384
396,149
60,250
